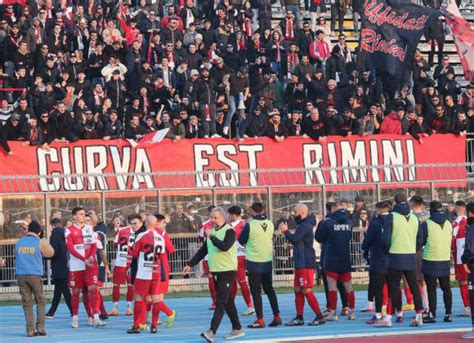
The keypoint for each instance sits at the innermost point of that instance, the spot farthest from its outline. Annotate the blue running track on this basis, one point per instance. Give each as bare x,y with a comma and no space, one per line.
194,317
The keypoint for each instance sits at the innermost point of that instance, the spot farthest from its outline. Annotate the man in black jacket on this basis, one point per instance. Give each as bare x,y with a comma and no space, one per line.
204,95
59,267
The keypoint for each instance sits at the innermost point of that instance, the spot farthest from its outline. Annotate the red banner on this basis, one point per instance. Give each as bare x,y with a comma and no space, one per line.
116,165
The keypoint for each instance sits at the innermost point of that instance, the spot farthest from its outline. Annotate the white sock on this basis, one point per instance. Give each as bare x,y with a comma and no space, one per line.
388,317
370,305
96,316
468,309
419,317
129,305
378,315
424,295
76,317
115,305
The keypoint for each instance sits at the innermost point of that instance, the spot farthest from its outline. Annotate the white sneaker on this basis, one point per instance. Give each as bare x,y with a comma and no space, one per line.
90,321
216,136
235,334
465,313
383,323
225,130
332,316
99,323
469,335
351,315
75,323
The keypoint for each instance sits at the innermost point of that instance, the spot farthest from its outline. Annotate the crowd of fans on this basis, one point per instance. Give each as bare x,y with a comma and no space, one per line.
85,69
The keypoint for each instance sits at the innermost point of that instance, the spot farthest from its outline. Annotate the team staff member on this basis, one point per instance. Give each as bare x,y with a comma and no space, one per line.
257,237
29,253
235,220
401,239
59,267
304,258
378,258
148,248
336,233
207,227
437,235
468,260
221,248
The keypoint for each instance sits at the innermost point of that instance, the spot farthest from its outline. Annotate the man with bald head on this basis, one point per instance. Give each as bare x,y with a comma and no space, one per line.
221,247
304,258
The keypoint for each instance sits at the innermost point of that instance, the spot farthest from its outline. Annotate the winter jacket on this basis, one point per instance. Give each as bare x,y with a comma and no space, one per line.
435,268
303,252
336,234
59,261
373,243
398,261
391,125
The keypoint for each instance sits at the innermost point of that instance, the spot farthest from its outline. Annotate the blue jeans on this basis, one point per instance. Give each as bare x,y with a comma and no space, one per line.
233,103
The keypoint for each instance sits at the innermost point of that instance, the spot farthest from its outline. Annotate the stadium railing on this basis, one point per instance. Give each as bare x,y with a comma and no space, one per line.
453,182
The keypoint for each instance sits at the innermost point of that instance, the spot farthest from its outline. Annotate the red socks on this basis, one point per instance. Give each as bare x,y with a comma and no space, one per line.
244,289
87,303
465,295
351,299
299,302
165,309
139,310
332,300
103,311
116,294
212,289
385,294
74,304
94,301
313,303
129,293
408,294
155,313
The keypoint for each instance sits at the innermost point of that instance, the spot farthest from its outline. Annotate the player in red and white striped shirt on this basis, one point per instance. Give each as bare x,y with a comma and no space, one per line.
459,237
235,220
83,268
123,242
148,248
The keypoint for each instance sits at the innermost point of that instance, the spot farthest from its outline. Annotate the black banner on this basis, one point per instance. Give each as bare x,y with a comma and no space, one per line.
391,30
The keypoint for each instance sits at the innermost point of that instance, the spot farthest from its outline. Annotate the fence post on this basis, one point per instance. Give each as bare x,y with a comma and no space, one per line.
47,211
158,200
103,211
214,197
270,203
323,189
432,190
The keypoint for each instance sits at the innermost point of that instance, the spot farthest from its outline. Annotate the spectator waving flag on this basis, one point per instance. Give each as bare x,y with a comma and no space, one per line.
12,2
463,35
151,138
391,30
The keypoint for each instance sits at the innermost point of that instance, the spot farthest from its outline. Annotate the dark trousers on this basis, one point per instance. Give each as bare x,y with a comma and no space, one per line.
431,54
336,13
60,288
208,122
445,286
224,282
470,280
256,282
377,281
394,277
370,288
340,288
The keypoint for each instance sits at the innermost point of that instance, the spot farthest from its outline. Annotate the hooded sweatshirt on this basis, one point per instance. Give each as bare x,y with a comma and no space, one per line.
398,227
391,125
304,256
468,254
374,244
336,234
440,227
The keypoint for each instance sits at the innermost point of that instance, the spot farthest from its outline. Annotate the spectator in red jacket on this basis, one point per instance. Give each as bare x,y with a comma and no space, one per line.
319,49
391,124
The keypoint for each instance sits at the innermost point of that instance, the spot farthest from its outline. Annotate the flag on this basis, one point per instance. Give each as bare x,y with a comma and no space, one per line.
391,30
463,35
151,138
12,2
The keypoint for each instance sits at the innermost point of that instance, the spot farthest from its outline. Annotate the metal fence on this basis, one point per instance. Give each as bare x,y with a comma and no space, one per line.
452,183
